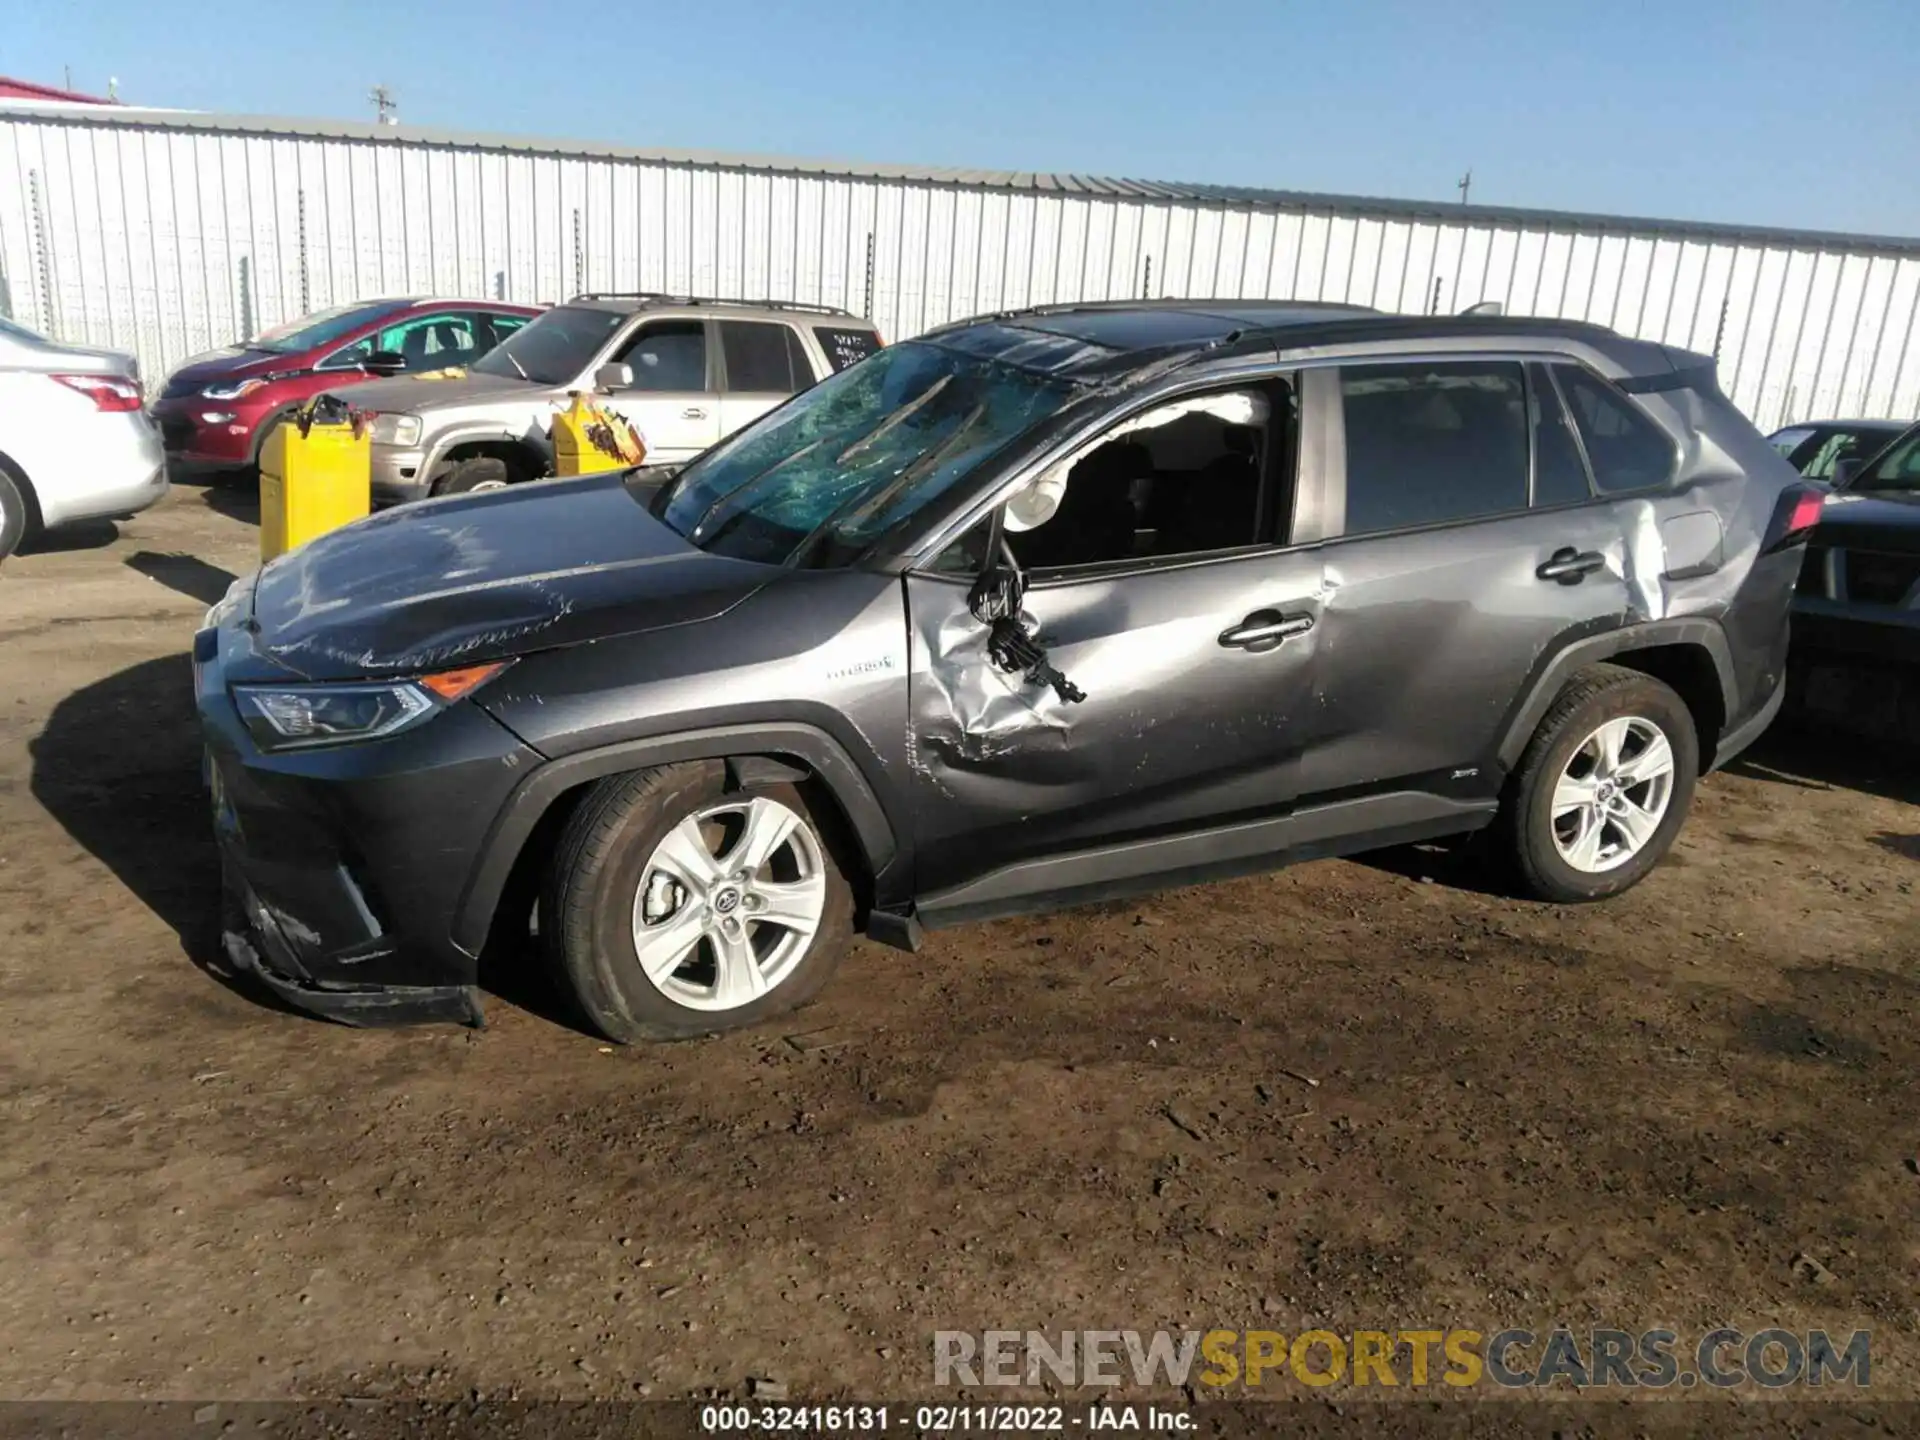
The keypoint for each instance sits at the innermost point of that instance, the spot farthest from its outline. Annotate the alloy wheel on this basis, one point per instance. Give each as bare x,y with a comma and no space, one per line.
728,904
1612,794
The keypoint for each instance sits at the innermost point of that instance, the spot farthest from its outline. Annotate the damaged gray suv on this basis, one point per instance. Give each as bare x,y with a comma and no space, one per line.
1025,612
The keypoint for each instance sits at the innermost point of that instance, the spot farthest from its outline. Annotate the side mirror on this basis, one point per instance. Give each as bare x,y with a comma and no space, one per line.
613,377
386,362
1845,472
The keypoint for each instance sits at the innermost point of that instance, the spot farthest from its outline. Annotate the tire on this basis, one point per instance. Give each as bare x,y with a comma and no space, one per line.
617,870
15,515
484,472
1575,857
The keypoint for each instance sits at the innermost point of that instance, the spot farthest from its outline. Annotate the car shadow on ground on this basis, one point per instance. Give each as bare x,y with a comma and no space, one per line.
81,535
1805,756
188,574
235,493
235,501
1460,862
1786,755
118,765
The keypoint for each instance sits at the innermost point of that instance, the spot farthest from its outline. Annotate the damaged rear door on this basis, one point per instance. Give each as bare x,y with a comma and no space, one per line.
1163,592
1471,547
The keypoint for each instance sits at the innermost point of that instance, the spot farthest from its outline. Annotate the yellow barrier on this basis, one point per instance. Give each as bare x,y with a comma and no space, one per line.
588,440
314,477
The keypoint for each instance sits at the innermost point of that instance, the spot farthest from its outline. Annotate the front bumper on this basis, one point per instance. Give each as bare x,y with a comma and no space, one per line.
192,440
398,475
343,867
255,945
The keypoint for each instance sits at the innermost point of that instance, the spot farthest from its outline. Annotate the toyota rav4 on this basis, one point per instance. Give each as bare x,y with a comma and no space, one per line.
1028,611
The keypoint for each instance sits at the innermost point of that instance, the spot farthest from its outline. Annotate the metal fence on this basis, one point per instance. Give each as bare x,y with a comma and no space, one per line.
171,233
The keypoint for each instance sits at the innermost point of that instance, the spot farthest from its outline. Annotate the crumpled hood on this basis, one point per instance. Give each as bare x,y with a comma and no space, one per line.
1872,520
474,578
415,393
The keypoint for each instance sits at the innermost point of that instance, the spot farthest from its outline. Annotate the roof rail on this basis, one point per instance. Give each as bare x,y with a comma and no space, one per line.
710,300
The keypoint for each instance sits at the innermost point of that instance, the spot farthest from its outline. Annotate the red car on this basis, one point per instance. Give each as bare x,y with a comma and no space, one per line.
216,409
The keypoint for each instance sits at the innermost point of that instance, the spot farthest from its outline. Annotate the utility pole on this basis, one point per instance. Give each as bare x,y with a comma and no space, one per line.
386,107
1464,184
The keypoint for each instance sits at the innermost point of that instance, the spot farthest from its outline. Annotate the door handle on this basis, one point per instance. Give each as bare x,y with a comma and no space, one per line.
693,412
1570,566
1264,627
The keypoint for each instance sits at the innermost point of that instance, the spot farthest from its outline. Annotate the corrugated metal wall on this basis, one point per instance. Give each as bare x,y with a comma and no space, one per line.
172,235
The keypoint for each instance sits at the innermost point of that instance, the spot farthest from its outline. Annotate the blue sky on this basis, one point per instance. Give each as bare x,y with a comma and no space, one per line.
1764,112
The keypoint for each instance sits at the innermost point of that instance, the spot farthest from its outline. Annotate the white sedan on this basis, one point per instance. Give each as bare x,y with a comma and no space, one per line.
75,439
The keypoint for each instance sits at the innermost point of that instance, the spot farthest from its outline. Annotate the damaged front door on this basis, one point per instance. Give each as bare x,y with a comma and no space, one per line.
1179,637
1195,677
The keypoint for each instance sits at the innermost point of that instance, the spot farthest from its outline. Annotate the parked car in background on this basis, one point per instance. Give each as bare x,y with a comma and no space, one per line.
216,410
1025,612
684,371
1856,617
75,442
1816,448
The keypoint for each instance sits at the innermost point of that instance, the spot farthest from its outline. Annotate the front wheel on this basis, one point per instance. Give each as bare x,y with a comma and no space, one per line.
470,477
1602,788
679,908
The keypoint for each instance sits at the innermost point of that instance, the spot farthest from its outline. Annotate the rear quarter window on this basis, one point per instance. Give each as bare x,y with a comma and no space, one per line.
1625,450
845,345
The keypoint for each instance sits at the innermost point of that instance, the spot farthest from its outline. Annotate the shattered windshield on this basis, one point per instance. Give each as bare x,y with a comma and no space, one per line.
837,465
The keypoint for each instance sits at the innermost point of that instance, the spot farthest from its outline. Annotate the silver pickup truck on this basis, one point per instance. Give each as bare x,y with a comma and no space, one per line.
684,371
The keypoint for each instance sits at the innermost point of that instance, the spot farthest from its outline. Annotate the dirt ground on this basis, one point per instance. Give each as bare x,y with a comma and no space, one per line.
1641,1112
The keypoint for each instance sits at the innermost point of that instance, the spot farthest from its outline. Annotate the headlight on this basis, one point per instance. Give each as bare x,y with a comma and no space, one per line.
396,429
301,717
232,389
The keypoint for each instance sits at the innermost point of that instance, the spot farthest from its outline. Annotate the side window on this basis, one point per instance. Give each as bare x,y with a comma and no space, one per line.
499,327
1897,469
432,342
1559,474
1787,441
669,355
758,361
1433,443
798,359
348,356
1184,478
1842,445
1625,450
1820,466
845,345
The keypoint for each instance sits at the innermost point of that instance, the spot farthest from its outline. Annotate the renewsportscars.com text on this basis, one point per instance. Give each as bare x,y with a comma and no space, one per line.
1511,1359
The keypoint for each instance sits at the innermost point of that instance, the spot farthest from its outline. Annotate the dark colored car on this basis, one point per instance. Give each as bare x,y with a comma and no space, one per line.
1025,612
1856,618
215,410
1816,449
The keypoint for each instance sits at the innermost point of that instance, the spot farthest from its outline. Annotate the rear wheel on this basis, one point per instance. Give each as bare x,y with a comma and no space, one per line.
15,517
679,908
469,477
1602,788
